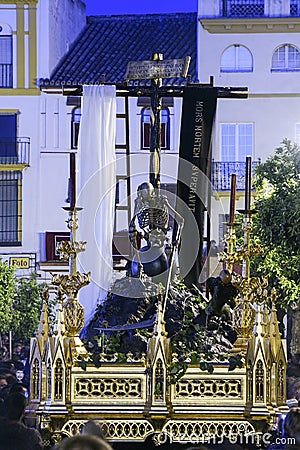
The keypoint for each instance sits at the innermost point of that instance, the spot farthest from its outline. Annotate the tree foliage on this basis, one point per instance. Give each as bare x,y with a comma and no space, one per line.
277,220
7,295
20,303
27,307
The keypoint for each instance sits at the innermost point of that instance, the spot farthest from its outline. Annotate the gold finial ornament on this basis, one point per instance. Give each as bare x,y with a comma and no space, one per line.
69,285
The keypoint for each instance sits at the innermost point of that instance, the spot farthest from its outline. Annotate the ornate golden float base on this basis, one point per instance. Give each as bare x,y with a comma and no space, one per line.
134,400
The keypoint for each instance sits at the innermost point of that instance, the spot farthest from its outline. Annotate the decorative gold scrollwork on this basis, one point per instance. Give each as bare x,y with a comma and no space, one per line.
74,316
71,284
108,388
67,249
212,388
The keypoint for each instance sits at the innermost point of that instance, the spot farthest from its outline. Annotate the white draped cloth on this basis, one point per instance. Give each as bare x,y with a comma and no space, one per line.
96,192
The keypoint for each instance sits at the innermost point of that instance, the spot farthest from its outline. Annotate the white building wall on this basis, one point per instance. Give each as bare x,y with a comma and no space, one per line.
59,23
55,121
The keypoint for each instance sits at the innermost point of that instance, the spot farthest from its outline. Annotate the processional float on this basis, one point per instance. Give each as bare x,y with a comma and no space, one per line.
133,400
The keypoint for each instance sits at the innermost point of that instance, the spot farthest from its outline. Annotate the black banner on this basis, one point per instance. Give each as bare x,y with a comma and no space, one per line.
199,107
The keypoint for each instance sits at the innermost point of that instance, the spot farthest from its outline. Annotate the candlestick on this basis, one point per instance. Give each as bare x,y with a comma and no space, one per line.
248,184
232,199
72,194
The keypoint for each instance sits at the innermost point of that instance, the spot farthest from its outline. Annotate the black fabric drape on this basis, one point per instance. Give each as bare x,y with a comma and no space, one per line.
199,107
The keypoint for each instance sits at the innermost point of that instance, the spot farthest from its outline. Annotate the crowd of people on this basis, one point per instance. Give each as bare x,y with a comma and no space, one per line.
14,366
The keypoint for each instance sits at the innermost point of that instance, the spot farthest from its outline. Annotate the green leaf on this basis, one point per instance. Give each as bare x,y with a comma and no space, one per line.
83,364
96,360
210,368
122,357
174,369
234,362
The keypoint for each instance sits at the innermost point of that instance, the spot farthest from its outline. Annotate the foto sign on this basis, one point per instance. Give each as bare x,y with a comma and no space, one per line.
169,68
19,262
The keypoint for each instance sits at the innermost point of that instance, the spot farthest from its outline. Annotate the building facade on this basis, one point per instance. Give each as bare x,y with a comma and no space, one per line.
27,52
253,43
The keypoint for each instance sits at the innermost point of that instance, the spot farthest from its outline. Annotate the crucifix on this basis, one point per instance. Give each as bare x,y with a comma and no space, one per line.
156,70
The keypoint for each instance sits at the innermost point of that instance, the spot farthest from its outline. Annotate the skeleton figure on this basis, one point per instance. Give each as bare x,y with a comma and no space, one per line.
151,214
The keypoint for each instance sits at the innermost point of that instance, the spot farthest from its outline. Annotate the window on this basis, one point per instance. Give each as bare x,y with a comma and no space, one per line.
236,141
286,58
52,238
121,191
76,116
164,128
145,131
10,208
6,72
8,138
236,58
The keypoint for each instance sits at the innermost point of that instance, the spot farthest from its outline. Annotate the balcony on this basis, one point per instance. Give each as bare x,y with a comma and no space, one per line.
15,151
243,8
295,8
252,8
222,171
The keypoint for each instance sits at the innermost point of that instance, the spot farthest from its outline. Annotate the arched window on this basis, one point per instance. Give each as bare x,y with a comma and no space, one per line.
76,116
58,380
259,382
236,58
6,57
286,58
164,128
159,381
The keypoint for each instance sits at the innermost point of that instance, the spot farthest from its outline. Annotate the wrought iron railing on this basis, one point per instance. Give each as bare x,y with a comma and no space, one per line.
222,171
295,8
15,151
6,76
243,8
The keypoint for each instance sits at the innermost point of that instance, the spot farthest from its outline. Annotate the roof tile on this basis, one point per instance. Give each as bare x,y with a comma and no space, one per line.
108,43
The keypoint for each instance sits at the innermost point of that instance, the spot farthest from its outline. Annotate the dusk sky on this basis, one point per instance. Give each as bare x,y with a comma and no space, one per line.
108,7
